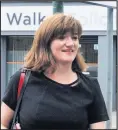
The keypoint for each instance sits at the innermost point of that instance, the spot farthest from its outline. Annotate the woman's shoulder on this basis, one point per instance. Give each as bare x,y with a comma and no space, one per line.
85,76
91,82
16,75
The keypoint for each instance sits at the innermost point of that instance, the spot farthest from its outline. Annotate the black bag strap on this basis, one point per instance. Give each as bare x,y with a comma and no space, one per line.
20,97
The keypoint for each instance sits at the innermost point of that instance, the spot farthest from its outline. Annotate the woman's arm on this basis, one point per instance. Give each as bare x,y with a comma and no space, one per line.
6,116
99,125
3,127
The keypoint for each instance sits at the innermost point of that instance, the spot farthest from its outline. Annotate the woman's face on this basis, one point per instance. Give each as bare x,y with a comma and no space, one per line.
65,48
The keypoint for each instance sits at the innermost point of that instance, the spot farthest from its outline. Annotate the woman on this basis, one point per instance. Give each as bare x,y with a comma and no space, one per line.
58,95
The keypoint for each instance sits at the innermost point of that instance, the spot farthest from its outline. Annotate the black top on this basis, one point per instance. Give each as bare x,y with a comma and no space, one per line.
47,104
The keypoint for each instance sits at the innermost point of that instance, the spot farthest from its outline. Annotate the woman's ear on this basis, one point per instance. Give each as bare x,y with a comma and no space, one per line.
81,62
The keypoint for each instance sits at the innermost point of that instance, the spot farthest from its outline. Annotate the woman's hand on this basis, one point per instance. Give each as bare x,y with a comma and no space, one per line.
6,115
99,125
3,127
17,126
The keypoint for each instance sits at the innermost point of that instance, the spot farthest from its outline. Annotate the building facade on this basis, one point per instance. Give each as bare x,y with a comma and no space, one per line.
19,22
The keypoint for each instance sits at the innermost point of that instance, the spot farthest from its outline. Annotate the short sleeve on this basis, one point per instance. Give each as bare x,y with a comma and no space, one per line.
10,95
97,111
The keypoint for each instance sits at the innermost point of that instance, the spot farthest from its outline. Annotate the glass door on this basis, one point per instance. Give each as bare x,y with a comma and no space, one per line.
17,47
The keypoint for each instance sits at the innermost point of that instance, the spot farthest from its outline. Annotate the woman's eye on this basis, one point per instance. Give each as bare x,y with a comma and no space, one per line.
61,37
74,37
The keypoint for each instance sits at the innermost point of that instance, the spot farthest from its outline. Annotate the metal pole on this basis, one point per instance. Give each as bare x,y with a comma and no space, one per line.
110,65
3,65
117,69
57,6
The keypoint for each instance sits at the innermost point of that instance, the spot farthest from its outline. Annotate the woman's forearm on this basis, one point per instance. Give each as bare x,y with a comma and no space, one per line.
3,127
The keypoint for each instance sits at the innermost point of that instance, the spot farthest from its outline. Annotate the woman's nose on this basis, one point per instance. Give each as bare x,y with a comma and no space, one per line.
69,41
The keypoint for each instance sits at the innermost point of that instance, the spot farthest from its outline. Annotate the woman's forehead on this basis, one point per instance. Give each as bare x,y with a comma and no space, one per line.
64,31
67,33
70,33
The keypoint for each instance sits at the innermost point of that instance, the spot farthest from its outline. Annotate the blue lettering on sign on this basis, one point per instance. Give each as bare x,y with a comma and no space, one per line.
14,18
27,20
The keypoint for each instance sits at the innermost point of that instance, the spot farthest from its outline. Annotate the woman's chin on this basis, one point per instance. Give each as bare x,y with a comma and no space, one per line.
67,61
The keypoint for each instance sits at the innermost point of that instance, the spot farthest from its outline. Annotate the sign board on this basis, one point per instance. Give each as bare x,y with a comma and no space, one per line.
23,18
28,18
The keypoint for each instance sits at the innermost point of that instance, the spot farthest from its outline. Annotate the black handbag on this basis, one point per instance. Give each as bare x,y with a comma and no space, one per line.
24,77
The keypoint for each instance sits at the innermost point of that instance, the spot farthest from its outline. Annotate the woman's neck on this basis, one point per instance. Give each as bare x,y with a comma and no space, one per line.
61,69
62,74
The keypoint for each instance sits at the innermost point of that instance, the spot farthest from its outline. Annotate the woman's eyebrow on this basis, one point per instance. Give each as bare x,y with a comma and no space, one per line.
75,33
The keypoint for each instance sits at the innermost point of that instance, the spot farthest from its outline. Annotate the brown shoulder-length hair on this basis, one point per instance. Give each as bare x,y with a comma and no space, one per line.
39,56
